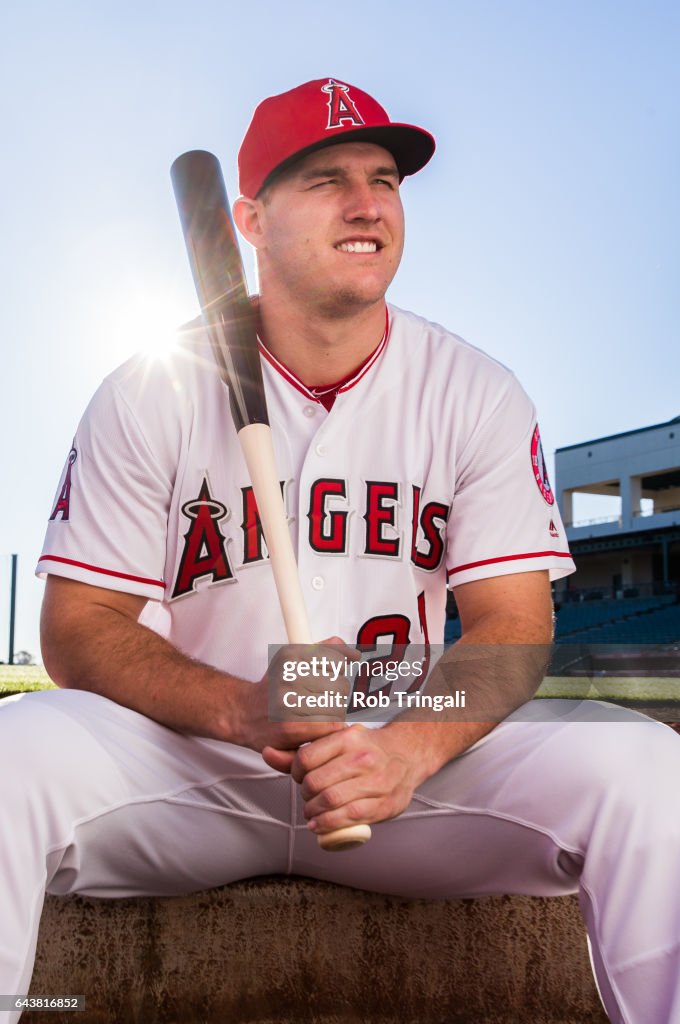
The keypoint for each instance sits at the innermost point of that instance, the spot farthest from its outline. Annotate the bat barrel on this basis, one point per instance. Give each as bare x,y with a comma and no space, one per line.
215,261
198,184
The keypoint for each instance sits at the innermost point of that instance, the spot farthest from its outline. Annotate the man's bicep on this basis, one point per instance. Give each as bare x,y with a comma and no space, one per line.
70,607
522,600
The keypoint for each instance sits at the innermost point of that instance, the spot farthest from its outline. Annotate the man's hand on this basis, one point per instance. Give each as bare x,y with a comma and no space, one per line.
264,720
360,775
355,775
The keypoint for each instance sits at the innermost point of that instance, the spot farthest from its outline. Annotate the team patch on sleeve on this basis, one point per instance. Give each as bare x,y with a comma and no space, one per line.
539,468
62,506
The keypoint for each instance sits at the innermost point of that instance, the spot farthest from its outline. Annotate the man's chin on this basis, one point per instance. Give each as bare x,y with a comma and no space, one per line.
345,303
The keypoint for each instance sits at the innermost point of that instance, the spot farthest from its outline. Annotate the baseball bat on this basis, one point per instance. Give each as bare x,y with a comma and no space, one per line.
217,269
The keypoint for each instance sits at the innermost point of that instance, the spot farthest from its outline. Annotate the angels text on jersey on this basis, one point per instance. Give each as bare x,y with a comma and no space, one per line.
332,513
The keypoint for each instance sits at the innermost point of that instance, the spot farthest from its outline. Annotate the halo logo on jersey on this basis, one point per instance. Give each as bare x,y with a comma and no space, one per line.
539,468
63,504
341,106
204,554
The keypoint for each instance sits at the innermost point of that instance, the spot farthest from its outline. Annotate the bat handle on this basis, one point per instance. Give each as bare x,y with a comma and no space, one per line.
258,450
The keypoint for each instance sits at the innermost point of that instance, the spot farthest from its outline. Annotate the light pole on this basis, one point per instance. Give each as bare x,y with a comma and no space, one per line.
12,608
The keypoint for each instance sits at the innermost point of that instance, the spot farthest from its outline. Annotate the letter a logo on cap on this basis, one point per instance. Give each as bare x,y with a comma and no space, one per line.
341,106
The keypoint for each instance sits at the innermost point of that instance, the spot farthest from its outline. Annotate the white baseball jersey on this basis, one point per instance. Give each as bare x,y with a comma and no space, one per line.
428,470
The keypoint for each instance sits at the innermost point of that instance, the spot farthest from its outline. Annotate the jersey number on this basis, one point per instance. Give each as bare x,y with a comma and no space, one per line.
396,630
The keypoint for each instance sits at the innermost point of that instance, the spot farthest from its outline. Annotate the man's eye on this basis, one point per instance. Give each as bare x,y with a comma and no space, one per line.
385,181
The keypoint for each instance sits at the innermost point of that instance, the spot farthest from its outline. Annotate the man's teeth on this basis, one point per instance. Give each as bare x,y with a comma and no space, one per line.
357,247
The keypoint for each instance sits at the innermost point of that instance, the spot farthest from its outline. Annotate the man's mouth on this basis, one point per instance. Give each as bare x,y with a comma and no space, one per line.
357,246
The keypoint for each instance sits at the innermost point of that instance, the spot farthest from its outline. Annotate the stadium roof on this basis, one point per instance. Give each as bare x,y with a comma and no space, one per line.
612,437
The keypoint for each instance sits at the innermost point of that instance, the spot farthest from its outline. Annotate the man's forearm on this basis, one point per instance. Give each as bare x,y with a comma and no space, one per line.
497,674
113,655
92,640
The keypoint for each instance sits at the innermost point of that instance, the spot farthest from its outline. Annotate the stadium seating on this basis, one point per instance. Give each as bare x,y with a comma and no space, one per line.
654,620
452,630
658,627
632,620
573,618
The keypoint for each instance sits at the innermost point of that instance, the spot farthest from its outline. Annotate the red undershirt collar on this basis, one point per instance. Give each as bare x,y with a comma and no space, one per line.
326,394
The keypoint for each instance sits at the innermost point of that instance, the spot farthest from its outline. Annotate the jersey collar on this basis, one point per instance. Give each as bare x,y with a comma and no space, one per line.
318,394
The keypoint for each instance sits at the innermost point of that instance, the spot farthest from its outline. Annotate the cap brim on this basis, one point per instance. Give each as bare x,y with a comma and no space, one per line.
410,146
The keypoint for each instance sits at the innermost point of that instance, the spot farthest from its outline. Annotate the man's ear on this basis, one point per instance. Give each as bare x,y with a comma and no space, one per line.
248,219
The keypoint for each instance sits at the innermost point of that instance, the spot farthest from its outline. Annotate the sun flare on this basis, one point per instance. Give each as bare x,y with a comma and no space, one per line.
148,322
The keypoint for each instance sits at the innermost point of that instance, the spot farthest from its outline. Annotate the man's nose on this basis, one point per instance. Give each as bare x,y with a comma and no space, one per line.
362,203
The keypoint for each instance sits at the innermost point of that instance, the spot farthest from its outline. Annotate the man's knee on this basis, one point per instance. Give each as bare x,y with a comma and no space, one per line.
32,739
629,770
52,760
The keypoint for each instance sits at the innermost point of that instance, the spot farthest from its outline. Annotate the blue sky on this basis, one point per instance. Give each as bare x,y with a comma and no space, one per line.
545,231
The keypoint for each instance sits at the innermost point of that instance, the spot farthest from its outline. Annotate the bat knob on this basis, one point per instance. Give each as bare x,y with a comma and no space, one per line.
344,838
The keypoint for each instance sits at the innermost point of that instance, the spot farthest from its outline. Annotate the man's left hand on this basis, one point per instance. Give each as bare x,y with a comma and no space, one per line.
356,775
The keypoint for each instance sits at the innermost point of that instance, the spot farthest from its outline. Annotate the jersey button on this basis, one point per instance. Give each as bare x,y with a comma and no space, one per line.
320,449
318,582
309,411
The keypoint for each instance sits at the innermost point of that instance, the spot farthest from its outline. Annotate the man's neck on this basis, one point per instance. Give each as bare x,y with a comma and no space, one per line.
319,350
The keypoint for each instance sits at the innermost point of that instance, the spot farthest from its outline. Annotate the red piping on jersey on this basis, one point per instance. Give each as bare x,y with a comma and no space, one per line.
508,558
286,374
304,390
104,572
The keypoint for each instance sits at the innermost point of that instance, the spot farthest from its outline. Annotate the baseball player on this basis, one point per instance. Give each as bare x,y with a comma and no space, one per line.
410,461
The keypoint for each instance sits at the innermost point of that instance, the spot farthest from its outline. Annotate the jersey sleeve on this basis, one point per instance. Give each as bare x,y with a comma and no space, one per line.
504,517
108,525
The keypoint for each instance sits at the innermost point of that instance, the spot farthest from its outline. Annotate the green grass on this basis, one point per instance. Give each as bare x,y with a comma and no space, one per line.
613,688
22,678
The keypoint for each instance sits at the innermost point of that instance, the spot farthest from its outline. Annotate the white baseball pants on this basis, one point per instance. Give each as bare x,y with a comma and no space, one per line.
563,797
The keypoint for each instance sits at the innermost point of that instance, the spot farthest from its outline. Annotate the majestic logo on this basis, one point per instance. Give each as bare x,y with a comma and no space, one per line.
341,106
552,529
204,553
540,471
63,504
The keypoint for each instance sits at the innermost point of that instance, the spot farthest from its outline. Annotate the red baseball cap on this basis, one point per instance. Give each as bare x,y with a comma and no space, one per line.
318,114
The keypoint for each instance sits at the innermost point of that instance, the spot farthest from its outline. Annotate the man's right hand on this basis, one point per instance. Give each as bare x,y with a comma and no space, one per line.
263,720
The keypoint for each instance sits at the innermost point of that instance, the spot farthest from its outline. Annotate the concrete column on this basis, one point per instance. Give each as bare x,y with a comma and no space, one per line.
631,492
565,503
664,552
627,571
